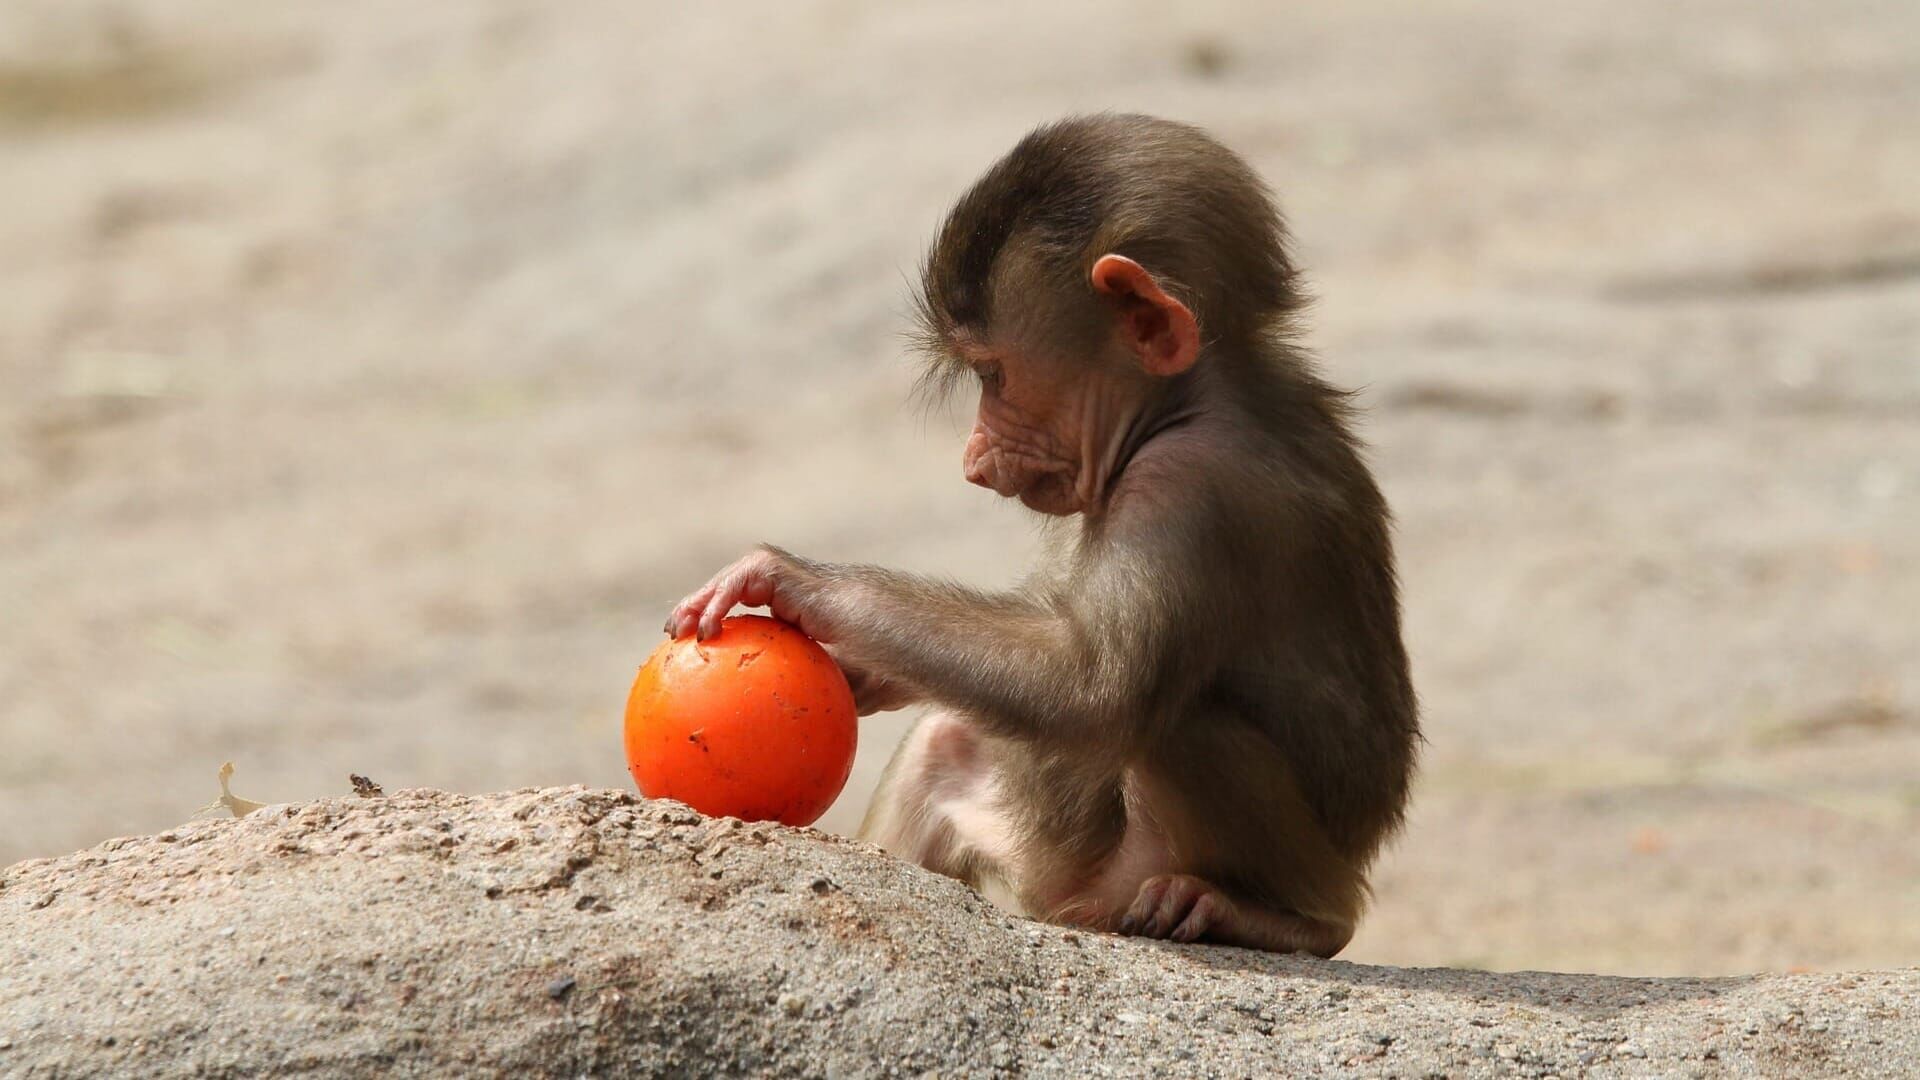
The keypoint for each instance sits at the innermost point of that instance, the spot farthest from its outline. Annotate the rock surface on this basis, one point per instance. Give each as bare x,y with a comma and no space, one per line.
581,932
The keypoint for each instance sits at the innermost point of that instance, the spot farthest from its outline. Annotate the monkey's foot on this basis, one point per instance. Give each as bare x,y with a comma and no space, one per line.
1181,907
1177,907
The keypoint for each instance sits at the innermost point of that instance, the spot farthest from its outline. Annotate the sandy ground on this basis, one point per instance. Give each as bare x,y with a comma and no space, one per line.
372,376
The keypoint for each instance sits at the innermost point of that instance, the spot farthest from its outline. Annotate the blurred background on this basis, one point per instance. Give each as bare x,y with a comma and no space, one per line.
373,376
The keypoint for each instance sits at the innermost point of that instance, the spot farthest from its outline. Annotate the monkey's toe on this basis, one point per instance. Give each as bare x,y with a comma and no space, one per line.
1207,910
1177,907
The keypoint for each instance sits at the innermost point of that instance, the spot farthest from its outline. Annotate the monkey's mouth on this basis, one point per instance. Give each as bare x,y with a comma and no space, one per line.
1049,494
1013,483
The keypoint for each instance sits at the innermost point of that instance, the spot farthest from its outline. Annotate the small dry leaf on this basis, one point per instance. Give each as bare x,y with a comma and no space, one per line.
365,788
240,807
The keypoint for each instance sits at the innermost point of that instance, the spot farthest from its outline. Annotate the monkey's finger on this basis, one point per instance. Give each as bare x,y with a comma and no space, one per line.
686,612
718,604
677,620
748,584
707,607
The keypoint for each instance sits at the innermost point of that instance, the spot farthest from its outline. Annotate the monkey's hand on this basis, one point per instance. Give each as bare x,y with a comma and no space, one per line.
797,592
789,587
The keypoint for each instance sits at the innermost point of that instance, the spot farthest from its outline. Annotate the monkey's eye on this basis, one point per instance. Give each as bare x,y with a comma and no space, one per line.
990,375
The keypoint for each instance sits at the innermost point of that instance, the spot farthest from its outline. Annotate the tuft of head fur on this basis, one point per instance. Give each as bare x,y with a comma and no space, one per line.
1164,194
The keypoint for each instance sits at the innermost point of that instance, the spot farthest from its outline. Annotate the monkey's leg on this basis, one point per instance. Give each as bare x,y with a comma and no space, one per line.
1181,907
937,806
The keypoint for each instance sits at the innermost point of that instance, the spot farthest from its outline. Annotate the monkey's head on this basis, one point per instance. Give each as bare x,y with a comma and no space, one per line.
1081,280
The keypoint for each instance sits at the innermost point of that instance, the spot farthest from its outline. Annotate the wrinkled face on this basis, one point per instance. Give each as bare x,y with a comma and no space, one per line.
1060,391
1037,428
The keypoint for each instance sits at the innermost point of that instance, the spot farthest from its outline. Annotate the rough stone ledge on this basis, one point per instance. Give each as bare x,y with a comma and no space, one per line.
569,931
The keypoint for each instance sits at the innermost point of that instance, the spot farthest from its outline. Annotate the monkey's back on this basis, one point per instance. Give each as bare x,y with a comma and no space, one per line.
1302,742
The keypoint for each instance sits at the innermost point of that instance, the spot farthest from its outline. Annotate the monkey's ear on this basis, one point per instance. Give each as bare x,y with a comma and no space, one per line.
1163,332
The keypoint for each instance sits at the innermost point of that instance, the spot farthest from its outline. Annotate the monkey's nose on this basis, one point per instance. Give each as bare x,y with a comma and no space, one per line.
976,473
973,459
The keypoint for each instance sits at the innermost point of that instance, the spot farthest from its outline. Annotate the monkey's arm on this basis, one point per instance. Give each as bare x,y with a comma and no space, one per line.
1116,647
1010,659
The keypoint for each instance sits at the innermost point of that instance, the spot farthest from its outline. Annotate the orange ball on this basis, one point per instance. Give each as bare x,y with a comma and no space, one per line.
756,722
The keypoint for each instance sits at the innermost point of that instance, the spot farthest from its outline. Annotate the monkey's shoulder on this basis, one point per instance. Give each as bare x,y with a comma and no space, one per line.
1218,475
